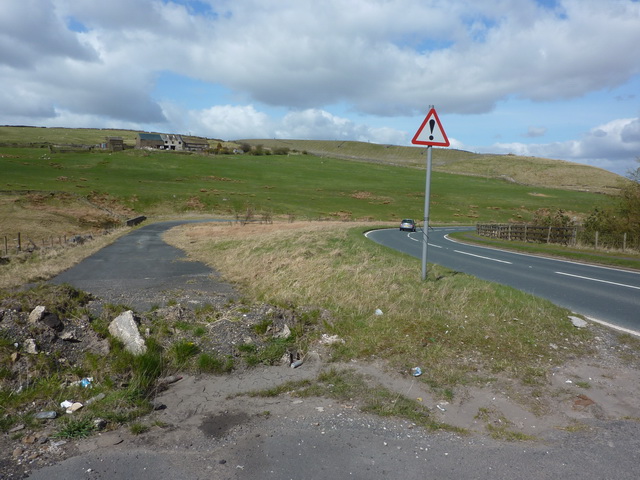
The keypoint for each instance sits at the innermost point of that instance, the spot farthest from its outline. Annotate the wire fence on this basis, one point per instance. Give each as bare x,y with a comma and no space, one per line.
13,244
574,235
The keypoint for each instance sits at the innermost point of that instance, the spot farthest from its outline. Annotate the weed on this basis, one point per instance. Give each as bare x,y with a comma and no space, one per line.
501,432
211,363
261,327
139,428
348,386
182,351
583,384
75,428
199,331
291,386
247,348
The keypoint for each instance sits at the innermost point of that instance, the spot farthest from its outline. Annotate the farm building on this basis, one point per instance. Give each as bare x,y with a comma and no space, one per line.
171,141
115,144
195,144
149,140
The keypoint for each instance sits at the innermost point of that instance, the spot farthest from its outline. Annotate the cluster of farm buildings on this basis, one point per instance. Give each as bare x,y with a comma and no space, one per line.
161,141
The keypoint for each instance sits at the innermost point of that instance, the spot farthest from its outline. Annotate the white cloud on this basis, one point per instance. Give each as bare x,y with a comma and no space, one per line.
228,122
614,146
66,60
533,132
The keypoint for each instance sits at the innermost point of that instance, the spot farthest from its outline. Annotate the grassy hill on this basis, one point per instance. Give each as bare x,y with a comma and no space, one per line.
532,171
524,170
50,191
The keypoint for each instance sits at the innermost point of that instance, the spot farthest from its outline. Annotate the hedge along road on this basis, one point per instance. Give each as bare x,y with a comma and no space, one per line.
607,295
211,434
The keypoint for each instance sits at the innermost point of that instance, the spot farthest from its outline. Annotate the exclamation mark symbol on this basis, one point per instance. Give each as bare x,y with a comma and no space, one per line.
432,124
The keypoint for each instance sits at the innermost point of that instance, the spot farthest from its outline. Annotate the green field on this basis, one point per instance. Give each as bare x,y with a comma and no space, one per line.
305,186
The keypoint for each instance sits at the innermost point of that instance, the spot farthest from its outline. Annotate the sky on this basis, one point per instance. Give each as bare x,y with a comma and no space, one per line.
546,78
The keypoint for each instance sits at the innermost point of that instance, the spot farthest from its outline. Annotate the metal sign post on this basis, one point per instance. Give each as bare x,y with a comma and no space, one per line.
425,225
430,133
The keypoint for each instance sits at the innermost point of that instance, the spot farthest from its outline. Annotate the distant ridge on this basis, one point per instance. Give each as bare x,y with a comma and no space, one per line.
534,171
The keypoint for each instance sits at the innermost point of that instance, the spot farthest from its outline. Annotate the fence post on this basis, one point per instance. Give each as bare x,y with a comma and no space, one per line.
6,245
624,241
597,240
19,243
549,234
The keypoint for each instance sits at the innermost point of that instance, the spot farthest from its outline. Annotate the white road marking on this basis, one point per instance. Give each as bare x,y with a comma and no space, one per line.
420,240
485,258
598,280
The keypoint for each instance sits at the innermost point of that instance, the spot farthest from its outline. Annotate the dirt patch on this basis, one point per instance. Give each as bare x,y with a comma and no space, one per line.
218,425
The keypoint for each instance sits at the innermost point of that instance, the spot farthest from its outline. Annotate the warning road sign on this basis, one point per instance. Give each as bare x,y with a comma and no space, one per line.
431,132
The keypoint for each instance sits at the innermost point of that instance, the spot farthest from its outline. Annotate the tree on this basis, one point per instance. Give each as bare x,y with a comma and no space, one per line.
629,207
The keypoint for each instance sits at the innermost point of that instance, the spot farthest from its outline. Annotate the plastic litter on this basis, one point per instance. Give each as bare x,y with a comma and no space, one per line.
296,364
46,415
74,406
416,371
378,311
97,398
85,382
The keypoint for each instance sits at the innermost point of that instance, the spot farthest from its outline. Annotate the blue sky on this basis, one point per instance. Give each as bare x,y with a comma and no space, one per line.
548,78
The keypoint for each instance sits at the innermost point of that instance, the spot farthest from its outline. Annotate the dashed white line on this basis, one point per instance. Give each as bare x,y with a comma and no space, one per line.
484,258
598,280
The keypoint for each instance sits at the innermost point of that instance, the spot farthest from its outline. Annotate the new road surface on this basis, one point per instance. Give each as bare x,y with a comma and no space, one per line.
603,294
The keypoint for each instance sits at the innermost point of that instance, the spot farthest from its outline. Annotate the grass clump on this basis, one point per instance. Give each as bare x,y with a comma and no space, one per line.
346,385
75,427
212,363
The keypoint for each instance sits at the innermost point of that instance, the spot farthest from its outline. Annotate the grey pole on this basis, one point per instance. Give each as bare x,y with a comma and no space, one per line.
425,225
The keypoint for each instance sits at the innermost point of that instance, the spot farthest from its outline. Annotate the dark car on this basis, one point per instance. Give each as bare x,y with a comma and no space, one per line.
407,225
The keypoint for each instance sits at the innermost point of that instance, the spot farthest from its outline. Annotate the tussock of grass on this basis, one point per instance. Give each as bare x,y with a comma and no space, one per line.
456,327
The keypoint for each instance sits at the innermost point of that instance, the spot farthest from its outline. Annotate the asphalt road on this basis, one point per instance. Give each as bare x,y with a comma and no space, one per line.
605,294
140,270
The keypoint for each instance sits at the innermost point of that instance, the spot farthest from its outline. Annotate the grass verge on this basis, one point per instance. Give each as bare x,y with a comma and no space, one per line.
626,259
459,329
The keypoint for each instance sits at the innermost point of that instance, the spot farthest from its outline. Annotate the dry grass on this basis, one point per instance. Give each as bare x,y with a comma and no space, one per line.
46,263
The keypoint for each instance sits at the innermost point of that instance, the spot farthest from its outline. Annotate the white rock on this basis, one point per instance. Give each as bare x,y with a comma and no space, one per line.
37,314
30,346
577,322
125,328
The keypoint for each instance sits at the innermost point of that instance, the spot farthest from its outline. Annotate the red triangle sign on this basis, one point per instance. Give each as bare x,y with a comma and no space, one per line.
431,132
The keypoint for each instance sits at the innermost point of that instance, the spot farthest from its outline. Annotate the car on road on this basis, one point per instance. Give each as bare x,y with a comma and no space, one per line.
407,225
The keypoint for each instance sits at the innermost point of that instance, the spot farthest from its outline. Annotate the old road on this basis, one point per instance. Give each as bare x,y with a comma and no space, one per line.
208,432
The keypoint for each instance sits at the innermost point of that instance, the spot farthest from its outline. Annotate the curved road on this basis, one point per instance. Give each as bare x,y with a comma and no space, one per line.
604,294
